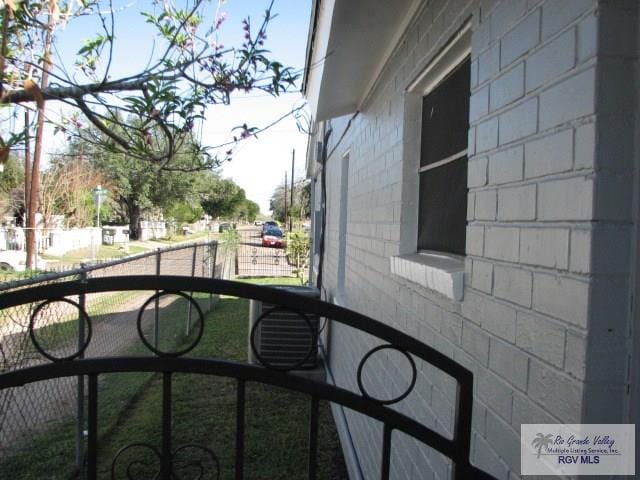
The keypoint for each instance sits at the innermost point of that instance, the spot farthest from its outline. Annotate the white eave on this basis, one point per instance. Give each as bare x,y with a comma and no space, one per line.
349,43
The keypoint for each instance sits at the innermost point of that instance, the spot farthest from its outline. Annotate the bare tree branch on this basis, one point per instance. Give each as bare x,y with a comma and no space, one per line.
100,125
74,92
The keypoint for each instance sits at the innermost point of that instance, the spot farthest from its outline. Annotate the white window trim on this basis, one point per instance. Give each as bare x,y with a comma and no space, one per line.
343,227
444,63
441,272
438,271
444,161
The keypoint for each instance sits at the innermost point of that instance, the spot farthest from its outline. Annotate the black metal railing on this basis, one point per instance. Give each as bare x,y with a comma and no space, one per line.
170,362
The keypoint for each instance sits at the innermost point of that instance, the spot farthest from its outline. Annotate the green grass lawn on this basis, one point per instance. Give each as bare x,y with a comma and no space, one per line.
178,237
103,252
60,330
203,414
73,258
66,325
12,276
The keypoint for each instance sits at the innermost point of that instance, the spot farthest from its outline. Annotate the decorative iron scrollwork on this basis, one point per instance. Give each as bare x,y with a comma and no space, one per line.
137,467
178,469
203,470
400,397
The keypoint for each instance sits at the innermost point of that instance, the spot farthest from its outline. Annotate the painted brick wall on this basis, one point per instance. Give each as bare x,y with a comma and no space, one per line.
548,236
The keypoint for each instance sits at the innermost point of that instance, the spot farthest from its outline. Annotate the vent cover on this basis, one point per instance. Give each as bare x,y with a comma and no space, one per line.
283,338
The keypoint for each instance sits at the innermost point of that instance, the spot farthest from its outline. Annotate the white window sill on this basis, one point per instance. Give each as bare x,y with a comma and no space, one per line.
440,272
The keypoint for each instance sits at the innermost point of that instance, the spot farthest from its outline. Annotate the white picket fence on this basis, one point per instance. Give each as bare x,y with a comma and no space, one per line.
51,241
58,241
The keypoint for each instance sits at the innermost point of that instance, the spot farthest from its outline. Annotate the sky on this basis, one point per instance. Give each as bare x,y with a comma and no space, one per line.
258,164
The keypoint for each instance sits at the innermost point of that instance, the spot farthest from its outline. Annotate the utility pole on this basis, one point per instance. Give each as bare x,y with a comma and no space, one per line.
293,165
34,188
27,168
285,198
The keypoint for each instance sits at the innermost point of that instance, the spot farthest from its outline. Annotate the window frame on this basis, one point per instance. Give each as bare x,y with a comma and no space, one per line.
343,228
451,237
435,270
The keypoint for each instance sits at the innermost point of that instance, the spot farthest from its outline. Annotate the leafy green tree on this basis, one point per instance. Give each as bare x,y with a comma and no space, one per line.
248,210
301,201
223,199
185,212
131,186
137,187
12,175
12,187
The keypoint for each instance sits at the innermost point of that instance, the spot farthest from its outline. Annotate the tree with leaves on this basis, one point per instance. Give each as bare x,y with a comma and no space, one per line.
184,212
223,199
137,187
163,102
248,211
299,209
12,189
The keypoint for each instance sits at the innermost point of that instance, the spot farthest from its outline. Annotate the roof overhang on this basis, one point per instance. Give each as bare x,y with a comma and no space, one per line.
348,45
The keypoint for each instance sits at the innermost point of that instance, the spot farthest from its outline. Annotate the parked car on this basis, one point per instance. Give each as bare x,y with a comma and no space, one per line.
226,226
269,224
257,223
273,237
15,261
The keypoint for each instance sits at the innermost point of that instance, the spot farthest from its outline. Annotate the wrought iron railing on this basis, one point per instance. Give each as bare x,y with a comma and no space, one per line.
168,362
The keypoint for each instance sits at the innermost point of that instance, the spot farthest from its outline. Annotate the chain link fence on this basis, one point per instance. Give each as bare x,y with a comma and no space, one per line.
59,329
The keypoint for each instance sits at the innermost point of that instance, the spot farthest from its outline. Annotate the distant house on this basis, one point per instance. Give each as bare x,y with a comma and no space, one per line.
475,172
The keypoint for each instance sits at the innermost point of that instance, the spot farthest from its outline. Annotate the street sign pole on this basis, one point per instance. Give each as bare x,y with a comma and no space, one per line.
98,214
98,194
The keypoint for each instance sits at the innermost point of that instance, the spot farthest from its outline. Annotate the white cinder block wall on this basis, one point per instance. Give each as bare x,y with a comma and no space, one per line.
545,322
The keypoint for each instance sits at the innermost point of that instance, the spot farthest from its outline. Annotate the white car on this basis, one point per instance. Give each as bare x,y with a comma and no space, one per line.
15,260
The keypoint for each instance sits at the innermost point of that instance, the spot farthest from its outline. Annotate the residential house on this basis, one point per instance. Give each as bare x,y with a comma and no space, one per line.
475,184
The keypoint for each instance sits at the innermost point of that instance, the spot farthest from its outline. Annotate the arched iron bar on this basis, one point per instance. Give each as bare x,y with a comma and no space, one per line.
457,449
245,372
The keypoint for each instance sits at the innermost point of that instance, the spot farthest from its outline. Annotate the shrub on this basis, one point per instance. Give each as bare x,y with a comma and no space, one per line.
298,247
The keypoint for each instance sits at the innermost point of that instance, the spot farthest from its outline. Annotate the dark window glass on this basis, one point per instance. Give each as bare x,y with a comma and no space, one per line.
445,117
443,208
273,231
443,188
